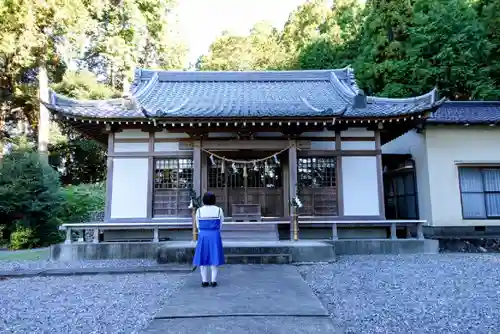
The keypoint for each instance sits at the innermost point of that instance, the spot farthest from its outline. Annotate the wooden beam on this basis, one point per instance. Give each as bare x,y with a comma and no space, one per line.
244,144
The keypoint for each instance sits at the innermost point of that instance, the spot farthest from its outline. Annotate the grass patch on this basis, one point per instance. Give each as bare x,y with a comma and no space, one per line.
25,255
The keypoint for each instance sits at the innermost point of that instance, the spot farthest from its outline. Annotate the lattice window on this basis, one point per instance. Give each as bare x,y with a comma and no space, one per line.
318,185
172,183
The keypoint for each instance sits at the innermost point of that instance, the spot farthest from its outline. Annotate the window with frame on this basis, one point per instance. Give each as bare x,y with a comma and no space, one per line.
317,179
480,192
173,180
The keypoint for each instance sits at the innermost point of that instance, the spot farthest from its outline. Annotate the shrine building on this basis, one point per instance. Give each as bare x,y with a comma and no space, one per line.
266,143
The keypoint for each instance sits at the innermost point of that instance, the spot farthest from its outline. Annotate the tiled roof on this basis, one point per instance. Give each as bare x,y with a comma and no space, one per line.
467,112
312,93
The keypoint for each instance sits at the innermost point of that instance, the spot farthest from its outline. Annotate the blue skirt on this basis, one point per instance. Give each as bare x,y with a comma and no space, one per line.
209,250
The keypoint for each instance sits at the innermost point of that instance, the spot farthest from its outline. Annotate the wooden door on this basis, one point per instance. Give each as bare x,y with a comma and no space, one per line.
262,185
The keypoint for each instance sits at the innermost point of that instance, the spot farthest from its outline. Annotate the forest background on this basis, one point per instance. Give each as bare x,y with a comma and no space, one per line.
88,49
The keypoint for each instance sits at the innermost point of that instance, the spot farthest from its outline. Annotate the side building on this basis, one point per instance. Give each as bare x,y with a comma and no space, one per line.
452,165
258,140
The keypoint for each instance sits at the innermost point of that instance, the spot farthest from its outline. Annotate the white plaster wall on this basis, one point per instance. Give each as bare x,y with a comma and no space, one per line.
129,193
131,133
166,147
131,147
358,145
357,132
360,186
323,145
325,133
171,135
402,144
446,146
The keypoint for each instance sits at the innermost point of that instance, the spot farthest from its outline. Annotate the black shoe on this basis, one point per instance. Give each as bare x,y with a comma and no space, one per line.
204,284
213,284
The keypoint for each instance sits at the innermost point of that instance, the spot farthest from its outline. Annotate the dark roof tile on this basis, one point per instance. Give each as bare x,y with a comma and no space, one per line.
315,93
467,112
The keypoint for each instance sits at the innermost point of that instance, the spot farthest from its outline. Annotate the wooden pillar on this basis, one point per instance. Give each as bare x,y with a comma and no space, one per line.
292,170
338,175
292,192
393,231
68,235
96,235
197,164
197,182
151,174
109,176
380,174
204,173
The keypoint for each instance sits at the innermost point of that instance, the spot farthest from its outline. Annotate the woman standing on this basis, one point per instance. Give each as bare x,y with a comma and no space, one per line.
209,250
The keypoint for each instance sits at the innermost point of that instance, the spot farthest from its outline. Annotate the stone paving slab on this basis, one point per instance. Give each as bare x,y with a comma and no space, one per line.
245,290
241,325
96,271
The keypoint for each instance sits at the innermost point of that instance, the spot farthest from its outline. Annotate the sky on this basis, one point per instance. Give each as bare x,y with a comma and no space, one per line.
201,21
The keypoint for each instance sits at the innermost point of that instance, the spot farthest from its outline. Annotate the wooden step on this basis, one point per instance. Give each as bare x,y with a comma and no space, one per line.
249,236
249,227
258,232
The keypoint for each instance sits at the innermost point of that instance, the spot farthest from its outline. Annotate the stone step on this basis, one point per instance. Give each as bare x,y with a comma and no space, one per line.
300,251
258,258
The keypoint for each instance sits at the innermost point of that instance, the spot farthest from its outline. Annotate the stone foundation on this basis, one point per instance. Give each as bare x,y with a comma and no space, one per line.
478,245
386,246
242,251
103,251
462,232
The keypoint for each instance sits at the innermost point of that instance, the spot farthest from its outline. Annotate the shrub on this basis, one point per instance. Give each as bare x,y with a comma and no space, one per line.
22,238
81,202
30,198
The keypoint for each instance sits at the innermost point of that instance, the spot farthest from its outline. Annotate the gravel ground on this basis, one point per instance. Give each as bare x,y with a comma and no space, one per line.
83,304
8,265
441,293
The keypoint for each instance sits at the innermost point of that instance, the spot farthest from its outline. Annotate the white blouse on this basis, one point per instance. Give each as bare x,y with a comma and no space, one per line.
209,211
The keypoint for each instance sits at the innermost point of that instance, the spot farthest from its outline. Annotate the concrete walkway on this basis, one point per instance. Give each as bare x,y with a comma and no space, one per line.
249,299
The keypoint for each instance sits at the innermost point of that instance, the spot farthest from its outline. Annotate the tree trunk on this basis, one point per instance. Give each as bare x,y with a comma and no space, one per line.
44,116
126,86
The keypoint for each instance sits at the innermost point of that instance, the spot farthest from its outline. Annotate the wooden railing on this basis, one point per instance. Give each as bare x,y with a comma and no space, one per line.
392,224
294,227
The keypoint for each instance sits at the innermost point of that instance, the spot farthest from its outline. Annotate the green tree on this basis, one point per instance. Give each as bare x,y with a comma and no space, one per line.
32,36
79,159
448,47
382,56
338,45
129,34
29,198
488,13
259,50
304,25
